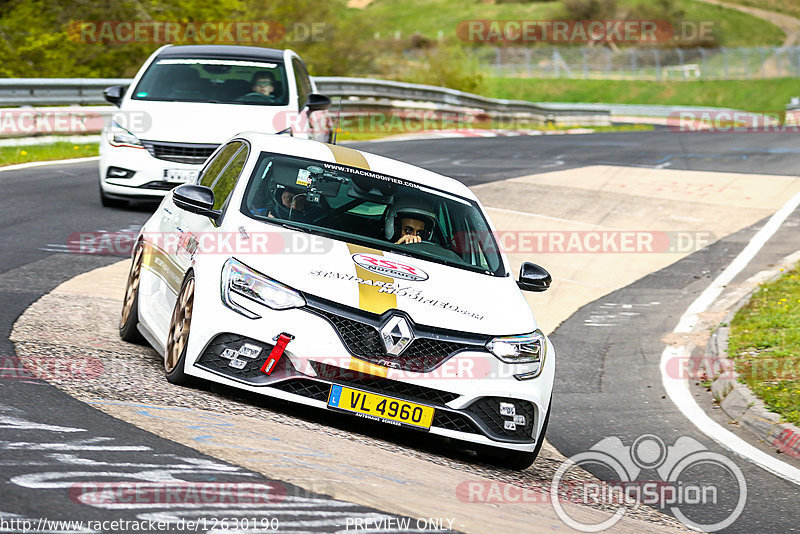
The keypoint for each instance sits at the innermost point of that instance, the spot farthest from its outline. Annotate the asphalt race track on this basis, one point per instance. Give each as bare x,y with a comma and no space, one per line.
608,381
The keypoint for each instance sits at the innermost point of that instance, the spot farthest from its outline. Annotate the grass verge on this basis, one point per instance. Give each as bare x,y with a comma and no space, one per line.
752,95
11,155
381,125
764,344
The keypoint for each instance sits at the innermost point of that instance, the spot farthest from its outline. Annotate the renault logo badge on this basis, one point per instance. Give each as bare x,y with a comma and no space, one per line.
396,335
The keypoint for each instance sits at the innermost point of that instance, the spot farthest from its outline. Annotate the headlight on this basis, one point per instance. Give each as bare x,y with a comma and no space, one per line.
239,280
523,349
117,135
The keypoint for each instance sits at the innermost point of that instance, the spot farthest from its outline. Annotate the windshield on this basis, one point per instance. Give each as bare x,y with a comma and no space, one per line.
223,81
372,209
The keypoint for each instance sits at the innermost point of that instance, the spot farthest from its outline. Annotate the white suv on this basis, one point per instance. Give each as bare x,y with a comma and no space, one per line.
187,100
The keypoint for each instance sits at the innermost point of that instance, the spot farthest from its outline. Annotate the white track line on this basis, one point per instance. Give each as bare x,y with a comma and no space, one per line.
678,388
43,163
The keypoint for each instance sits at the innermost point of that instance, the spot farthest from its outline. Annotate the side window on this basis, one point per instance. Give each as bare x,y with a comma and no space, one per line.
227,179
301,81
211,171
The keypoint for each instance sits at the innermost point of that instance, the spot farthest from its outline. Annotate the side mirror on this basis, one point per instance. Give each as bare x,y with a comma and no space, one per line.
317,102
533,278
197,199
114,94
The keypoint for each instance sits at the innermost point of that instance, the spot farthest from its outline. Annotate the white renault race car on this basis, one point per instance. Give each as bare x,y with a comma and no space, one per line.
347,281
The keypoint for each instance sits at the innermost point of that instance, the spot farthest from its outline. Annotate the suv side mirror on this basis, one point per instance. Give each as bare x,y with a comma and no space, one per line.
317,102
197,199
533,278
114,94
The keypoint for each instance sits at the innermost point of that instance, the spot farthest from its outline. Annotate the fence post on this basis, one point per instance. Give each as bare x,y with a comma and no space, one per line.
680,61
704,65
555,63
658,63
583,60
724,62
528,62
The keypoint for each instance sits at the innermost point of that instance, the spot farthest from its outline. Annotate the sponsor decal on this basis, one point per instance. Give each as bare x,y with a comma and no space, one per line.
395,289
369,297
381,265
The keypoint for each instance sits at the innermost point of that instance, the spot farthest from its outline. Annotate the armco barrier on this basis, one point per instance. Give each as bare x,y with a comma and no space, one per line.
358,94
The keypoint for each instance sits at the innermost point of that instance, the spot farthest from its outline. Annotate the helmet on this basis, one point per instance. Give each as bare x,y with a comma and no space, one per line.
413,206
283,179
278,208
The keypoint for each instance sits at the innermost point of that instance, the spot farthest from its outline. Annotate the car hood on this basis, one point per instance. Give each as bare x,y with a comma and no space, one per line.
372,280
190,122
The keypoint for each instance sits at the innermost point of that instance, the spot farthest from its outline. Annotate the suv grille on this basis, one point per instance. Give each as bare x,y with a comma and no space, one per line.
180,152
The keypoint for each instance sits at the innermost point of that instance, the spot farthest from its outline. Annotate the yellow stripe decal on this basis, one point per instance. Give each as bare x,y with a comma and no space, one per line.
161,264
349,157
369,297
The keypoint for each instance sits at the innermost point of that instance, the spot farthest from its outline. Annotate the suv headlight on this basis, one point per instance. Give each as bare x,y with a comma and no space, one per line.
522,349
117,135
241,284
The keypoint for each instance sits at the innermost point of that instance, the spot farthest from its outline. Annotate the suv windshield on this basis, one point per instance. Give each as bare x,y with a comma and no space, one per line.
372,209
223,81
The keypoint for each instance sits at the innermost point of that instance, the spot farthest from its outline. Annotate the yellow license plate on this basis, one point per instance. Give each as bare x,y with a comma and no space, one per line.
380,408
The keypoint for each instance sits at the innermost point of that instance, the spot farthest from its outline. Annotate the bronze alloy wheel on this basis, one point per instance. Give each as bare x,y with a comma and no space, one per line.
179,325
132,288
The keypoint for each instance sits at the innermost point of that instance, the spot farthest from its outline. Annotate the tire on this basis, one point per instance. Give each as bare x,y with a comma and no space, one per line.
517,460
130,305
108,202
178,338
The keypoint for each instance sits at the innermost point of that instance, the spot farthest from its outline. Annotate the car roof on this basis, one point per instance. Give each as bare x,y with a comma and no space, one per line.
226,51
349,157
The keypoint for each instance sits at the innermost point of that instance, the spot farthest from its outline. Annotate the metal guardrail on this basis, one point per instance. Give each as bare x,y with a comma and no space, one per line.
55,91
359,94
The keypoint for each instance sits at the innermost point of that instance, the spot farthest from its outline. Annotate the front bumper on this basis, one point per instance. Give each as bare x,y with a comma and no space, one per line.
466,389
148,179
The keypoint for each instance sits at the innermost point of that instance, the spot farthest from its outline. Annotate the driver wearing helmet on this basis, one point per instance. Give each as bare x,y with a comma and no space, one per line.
287,203
283,203
410,220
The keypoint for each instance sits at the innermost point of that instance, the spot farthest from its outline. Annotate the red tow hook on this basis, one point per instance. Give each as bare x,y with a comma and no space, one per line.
276,353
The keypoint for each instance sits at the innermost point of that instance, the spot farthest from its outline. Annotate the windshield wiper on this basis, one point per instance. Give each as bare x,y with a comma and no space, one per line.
293,227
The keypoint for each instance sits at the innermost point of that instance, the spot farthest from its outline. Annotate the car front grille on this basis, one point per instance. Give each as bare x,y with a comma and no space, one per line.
160,186
487,410
383,386
194,153
213,360
430,348
311,389
317,390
